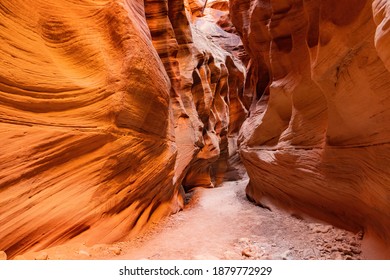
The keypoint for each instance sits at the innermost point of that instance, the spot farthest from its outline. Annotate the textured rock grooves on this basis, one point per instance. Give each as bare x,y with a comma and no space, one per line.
111,109
317,139
106,108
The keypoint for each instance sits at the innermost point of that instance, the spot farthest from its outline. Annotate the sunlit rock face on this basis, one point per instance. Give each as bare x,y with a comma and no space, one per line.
317,139
211,22
84,111
215,21
207,87
107,108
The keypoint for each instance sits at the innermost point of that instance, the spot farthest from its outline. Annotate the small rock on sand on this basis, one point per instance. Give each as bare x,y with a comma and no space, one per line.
318,228
3,256
248,252
116,250
338,256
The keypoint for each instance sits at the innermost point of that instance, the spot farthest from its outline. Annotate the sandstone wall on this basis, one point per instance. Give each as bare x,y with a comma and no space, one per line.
317,139
106,109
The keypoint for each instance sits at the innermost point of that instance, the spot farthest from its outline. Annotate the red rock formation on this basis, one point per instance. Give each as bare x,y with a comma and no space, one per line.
206,87
105,108
216,23
79,130
317,139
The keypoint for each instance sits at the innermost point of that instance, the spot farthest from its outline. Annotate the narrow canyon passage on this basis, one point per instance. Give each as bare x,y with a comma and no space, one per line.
114,112
221,223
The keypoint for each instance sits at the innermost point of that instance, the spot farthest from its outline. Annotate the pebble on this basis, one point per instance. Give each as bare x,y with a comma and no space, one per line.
345,250
339,238
353,243
355,250
248,252
116,250
317,228
348,251
3,256
325,251
334,249
338,256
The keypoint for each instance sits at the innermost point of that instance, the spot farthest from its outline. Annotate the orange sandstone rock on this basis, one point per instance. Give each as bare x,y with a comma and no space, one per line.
105,108
84,112
317,138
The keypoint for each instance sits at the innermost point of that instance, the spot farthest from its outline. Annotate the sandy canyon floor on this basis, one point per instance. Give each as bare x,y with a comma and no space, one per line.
221,223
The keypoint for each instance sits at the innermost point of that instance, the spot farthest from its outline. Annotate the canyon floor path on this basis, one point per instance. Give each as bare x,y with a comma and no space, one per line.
220,223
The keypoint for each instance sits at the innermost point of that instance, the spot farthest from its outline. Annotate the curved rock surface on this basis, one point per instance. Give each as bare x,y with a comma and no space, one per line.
106,108
317,139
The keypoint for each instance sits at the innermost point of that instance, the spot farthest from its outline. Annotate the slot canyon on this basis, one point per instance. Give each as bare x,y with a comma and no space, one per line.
241,129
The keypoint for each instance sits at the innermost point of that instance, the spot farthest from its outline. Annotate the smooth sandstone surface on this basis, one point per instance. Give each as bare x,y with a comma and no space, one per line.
317,139
79,130
107,108
111,109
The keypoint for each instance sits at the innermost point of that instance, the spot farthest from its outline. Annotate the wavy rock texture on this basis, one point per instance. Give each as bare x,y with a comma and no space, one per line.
317,139
106,108
207,85
213,20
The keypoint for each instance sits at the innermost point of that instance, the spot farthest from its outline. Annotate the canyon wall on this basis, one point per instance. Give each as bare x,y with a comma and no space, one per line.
317,139
108,109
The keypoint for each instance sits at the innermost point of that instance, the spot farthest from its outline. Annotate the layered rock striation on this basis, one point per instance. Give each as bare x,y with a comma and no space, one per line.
317,139
107,108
